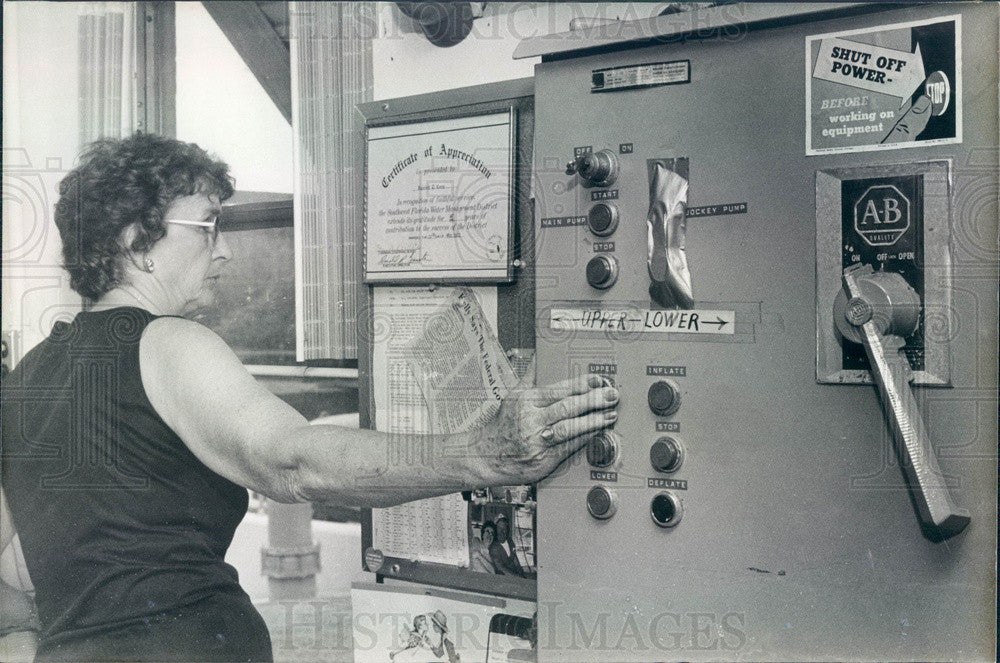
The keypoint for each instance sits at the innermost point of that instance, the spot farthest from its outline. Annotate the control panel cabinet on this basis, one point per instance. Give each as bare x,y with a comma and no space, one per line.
768,492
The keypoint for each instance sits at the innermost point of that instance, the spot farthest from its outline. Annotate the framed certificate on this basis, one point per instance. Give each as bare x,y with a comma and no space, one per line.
438,204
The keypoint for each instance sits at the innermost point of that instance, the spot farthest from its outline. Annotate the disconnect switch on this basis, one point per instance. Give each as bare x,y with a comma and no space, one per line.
876,309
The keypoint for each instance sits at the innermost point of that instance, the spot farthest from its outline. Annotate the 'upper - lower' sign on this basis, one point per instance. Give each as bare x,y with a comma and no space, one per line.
629,321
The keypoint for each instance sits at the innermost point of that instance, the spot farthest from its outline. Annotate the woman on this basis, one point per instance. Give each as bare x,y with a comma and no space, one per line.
416,638
131,435
480,554
502,550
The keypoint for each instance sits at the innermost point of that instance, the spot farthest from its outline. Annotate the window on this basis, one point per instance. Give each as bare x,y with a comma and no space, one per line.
222,107
255,308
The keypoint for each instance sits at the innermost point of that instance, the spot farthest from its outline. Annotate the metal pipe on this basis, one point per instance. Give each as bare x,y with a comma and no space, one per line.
261,370
291,559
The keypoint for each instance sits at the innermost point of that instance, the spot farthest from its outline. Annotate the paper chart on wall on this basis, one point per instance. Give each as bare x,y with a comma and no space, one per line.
436,529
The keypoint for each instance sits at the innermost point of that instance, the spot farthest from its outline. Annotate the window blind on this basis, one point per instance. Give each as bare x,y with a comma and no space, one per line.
330,45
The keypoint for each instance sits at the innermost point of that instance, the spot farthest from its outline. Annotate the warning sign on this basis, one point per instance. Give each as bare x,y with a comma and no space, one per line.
883,88
643,321
892,72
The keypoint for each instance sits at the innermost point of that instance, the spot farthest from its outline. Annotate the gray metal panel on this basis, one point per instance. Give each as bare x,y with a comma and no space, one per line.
799,540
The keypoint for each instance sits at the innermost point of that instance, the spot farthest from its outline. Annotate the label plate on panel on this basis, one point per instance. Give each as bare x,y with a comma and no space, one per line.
643,320
563,221
656,482
640,75
717,210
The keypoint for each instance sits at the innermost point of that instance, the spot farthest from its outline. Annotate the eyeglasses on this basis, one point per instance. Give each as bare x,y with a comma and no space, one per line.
211,227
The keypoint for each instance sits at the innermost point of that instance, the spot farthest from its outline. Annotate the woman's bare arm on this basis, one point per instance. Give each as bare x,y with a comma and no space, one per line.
246,434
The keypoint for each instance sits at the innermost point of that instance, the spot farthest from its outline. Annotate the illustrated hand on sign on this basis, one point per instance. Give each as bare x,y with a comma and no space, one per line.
912,123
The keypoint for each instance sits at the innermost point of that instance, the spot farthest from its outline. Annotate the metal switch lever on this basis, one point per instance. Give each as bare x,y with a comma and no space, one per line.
595,168
877,309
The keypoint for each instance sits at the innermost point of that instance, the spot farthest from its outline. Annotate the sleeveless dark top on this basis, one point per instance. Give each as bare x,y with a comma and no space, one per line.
123,529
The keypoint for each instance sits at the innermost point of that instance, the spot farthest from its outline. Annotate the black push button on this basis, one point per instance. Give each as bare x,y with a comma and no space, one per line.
602,219
602,271
666,509
666,455
664,398
601,502
602,449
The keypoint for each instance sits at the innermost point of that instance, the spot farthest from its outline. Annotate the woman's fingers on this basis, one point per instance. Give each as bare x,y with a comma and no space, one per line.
573,432
574,406
549,394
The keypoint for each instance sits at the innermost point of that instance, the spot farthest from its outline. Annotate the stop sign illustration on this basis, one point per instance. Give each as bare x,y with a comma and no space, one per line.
882,215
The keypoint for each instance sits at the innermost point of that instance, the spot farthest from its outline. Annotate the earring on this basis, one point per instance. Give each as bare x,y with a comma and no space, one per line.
148,265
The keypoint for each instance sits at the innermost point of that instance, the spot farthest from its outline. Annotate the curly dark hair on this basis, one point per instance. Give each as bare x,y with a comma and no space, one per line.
121,182
488,525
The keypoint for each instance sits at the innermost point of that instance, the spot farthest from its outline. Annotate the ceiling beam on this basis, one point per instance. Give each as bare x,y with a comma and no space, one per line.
258,43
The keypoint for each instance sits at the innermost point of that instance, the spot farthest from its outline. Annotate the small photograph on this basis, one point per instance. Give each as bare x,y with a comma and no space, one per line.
420,624
427,638
502,531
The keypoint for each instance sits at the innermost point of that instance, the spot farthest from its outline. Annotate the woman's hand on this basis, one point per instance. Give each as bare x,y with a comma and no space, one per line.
538,428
